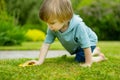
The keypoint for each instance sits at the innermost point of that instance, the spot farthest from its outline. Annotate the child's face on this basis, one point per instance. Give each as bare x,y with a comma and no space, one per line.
55,25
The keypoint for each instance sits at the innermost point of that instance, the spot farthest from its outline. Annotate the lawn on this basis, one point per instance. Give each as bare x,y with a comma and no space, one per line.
64,68
31,46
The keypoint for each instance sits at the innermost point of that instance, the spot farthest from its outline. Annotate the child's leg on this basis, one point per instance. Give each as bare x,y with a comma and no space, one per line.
100,57
80,57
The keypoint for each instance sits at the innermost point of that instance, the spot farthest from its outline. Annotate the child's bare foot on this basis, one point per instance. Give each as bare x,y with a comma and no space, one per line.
96,51
103,58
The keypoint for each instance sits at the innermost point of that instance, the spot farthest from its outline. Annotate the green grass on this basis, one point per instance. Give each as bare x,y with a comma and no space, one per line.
31,46
57,46
64,68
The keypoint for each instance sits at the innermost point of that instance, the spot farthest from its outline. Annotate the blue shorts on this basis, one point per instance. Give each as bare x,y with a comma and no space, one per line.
80,57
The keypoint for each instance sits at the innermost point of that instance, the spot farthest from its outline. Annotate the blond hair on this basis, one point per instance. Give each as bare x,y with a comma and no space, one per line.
56,9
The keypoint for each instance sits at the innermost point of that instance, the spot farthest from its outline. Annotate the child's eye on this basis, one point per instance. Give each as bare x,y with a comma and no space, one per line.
52,23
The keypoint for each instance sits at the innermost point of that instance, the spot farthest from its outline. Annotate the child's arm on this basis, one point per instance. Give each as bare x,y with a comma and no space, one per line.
88,57
43,53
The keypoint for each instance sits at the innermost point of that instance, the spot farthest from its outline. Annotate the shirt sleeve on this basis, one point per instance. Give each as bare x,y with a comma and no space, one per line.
50,37
82,35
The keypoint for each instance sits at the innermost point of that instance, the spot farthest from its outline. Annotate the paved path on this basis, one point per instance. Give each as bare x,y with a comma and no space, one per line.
31,54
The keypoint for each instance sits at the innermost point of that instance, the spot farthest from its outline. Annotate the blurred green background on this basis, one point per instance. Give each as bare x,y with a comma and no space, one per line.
19,20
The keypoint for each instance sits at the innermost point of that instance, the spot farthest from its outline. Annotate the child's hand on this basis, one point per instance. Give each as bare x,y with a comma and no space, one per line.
30,63
85,65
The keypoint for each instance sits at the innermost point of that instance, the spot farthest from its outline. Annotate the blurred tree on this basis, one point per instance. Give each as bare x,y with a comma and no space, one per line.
78,4
21,9
3,13
104,18
26,12
2,6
